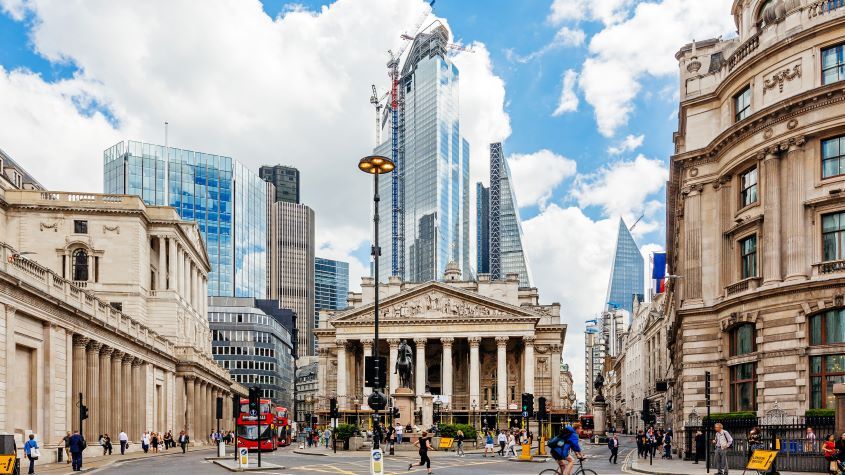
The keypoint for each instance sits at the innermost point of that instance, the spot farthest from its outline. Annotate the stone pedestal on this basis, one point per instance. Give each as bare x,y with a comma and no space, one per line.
403,398
599,417
839,392
427,410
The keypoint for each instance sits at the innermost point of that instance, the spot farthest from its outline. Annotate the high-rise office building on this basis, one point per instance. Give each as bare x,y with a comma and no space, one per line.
291,265
627,273
595,347
499,232
331,286
429,214
285,179
225,198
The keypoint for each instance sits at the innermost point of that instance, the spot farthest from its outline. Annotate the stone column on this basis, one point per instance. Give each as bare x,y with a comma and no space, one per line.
92,395
528,363
79,370
105,391
474,370
138,400
692,240
555,368
209,408
368,351
394,355
420,369
127,409
172,281
446,366
199,410
726,221
341,374
322,367
183,281
162,263
502,372
771,222
179,403
117,403
191,389
796,262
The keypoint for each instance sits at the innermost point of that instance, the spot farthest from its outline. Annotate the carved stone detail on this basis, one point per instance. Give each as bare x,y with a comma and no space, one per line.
114,229
53,226
447,340
474,341
780,77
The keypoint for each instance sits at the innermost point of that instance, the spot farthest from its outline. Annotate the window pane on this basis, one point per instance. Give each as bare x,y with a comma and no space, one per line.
816,338
831,222
744,339
830,148
835,327
746,397
816,392
830,398
835,364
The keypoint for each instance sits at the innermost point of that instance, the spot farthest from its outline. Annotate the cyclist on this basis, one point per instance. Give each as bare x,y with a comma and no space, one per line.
562,444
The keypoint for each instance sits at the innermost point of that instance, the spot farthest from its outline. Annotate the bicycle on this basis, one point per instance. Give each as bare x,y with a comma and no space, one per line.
580,471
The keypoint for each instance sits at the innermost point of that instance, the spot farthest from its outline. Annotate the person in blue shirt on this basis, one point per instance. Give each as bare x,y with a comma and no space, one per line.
77,445
563,444
28,448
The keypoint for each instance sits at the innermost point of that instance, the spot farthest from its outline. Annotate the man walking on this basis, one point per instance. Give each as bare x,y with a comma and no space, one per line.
124,441
613,445
399,431
503,440
699,446
183,441
77,445
327,435
723,441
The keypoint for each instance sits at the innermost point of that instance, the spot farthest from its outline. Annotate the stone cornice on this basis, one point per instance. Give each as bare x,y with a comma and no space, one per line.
744,224
383,323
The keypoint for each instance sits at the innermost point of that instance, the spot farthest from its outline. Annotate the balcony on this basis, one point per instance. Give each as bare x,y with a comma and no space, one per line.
830,267
744,285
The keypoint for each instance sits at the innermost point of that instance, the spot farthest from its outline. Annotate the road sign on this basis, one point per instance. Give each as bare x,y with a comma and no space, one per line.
446,442
761,460
376,462
7,464
253,413
243,457
524,413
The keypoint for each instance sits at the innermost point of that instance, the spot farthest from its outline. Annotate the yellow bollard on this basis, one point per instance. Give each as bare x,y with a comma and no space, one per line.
541,450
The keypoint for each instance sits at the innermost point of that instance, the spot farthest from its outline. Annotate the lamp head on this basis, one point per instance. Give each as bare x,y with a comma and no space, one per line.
376,165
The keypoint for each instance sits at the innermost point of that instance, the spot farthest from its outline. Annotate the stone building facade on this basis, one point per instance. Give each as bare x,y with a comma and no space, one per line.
104,296
755,212
477,344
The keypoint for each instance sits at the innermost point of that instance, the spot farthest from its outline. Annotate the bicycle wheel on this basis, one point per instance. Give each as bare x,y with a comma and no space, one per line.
585,471
550,471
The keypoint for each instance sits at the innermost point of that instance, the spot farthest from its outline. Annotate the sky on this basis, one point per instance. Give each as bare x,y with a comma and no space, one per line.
583,94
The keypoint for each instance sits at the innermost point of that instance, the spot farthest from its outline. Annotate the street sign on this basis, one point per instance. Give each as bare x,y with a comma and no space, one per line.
7,464
761,460
376,462
253,413
446,442
243,457
524,413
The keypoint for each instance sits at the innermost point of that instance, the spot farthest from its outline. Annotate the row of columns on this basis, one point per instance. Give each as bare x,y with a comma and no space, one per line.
447,377
201,407
180,273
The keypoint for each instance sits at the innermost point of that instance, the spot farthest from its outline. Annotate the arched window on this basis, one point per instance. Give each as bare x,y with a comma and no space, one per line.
80,265
762,19
742,339
828,328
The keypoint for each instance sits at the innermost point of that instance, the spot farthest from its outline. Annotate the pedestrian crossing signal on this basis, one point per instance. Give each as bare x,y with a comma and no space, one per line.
83,413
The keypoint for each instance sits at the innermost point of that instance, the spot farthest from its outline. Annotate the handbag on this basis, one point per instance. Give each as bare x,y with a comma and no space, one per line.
34,453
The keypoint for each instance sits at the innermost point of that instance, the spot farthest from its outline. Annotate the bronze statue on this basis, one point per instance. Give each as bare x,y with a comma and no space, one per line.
598,384
404,365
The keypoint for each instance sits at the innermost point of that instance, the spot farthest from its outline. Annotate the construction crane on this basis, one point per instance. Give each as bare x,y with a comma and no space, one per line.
635,222
452,46
376,101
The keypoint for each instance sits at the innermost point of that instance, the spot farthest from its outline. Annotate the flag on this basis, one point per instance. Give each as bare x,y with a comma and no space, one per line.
658,272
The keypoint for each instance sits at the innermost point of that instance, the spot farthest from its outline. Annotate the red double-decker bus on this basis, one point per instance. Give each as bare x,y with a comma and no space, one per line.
248,427
282,426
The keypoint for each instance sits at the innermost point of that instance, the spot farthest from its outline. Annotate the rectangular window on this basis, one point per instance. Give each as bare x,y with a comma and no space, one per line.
833,64
833,236
748,252
833,157
80,226
825,371
743,387
742,104
748,191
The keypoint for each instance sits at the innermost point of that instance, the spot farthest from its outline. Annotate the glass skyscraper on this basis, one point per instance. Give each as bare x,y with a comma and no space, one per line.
225,198
431,206
285,179
499,226
331,286
627,273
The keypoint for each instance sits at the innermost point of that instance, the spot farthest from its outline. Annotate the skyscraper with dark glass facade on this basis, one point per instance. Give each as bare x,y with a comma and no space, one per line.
331,286
226,199
627,273
430,213
482,228
285,179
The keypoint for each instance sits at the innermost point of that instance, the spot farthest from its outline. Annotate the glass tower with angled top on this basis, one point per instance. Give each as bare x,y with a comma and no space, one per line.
627,272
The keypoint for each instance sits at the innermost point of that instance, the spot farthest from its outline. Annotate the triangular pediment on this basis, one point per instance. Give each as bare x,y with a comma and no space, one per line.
436,301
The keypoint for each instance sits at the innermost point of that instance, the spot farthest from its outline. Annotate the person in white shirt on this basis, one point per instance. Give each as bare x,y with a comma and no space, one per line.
399,431
512,444
124,441
503,440
145,442
723,442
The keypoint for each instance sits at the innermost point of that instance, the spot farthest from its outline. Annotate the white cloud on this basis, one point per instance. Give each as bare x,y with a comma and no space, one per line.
606,11
628,144
565,37
644,44
568,101
14,8
537,174
621,188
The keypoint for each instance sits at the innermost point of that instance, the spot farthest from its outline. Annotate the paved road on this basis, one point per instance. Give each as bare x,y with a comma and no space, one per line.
442,463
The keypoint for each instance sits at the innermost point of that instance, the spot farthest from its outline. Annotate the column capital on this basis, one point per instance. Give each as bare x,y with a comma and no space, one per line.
127,358
367,342
420,341
393,342
556,347
106,350
11,310
189,377
117,354
474,341
502,341
94,345
341,343
529,339
136,362
447,340
79,340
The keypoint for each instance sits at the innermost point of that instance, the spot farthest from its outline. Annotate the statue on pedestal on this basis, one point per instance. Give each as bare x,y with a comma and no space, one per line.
404,364
598,384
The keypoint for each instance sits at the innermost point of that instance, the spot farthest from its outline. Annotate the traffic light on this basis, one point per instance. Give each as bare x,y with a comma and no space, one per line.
646,416
396,413
528,403
83,413
541,411
333,412
313,420
377,401
254,401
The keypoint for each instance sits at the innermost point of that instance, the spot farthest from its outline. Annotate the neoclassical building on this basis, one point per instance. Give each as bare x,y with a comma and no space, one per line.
756,215
477,344
104,296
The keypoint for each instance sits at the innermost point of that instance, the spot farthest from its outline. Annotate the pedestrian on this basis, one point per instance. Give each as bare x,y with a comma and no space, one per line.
399,431
30,449
828,450
659,442
699,446
512,444
723,442
639,439
424,443
124,442
459,437
168,440
77,445
651,442
327,435
155,440
488,443
66,442
183,441
503,441
145,441
840,449
613,445
308,437
106,443
811,443
667,445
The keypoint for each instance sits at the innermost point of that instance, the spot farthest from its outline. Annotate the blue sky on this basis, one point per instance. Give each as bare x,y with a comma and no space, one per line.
278,82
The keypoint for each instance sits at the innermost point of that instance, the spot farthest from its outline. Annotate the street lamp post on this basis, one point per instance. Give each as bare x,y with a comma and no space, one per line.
376,165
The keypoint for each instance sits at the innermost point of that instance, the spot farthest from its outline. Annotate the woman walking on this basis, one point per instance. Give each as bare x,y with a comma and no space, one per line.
488,444
106,442
829,452
155,442
460,438
424,443
512,444
30,449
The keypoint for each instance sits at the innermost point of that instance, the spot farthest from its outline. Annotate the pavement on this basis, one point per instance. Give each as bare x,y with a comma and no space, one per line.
94,464
633,464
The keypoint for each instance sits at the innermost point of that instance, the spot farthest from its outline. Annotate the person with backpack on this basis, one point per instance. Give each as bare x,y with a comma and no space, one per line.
30,449
563,444
723,442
